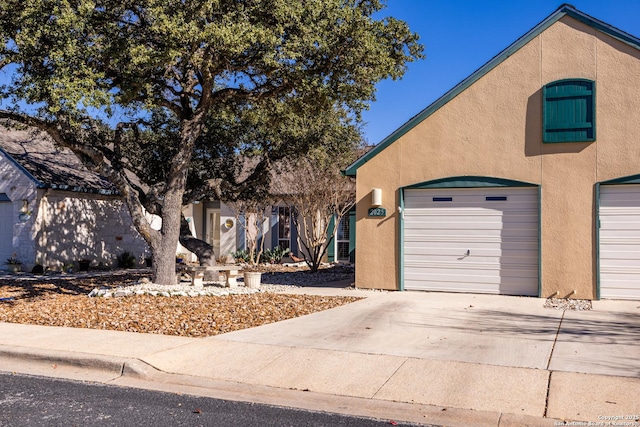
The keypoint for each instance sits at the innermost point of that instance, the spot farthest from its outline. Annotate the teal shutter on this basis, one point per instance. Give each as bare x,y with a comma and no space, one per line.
241,243
331,250
274,227
294,233
569,111
352,235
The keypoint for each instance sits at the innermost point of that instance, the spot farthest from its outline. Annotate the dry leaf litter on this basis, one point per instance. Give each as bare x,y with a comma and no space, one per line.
62,300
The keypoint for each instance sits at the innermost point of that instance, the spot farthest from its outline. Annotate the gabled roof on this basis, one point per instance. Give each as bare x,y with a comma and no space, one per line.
564,10
49,166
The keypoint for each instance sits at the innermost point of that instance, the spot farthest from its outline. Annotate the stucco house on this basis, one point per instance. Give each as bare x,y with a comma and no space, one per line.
54,212
217,223
524,179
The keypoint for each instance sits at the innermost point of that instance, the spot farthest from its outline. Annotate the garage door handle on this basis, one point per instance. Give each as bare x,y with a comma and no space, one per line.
468,253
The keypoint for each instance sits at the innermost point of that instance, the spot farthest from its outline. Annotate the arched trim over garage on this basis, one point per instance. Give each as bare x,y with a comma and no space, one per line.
462,182
631,179
620,184
470,182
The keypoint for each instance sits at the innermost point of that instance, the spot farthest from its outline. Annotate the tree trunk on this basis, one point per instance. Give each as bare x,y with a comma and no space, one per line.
164,248
165,244
203,250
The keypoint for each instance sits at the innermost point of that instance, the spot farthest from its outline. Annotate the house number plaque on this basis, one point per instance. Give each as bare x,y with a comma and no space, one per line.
377,212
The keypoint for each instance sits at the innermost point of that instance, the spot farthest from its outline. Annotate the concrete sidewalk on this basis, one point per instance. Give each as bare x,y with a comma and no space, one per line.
438,358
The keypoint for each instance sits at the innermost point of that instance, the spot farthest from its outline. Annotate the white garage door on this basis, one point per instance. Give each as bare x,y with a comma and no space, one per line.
6,229
481,240
620,241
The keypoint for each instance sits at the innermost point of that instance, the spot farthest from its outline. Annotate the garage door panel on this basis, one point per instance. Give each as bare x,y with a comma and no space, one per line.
427,216
474,273
621,279
500,235
620,293
496,257
459,249
459,287
619,241
468,231
621,225
620,253
448,284
471,196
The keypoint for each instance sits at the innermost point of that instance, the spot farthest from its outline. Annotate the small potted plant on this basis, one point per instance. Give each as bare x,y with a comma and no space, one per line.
252,275
181,257
14,264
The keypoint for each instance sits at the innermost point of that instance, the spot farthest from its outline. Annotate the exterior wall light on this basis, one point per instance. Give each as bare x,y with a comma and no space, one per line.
376,197
25,213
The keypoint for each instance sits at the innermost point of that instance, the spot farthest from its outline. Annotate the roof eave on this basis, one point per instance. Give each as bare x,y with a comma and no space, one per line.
80,189
63,187
21,168
562,11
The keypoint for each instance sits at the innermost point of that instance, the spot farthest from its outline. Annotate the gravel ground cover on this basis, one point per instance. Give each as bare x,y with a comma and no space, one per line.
568,304
63,300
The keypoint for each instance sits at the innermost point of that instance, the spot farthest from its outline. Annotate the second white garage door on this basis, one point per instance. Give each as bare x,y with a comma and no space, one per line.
620,241
482,240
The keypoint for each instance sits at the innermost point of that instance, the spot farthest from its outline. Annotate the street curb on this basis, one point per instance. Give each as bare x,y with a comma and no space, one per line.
107,364
139,374
130,372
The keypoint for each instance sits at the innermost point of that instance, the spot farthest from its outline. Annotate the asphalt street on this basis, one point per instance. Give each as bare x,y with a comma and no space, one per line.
38,401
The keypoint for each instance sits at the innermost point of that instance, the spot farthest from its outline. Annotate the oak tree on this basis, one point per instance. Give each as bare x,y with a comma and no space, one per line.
110,79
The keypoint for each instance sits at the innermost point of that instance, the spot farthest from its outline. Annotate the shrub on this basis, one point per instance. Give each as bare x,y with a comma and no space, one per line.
241,255
274,256
127,260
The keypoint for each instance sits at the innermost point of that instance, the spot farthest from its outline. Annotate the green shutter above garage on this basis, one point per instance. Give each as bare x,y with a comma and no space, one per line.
569,111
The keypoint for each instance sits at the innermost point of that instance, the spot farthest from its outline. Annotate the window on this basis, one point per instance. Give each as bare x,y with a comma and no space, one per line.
284,227
569,111
342,239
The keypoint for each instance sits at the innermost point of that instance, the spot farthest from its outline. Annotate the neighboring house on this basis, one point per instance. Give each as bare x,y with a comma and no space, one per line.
524,179
215,222
54,212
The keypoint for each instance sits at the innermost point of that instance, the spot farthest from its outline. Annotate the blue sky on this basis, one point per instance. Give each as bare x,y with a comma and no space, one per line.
459,37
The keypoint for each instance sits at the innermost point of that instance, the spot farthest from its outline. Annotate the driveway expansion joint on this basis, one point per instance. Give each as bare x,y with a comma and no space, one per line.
553,346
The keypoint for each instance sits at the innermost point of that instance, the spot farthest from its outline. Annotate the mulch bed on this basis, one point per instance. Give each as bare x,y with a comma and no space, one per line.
63,301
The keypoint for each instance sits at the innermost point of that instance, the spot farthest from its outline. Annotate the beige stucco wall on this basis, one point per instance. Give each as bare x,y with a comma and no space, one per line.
494,128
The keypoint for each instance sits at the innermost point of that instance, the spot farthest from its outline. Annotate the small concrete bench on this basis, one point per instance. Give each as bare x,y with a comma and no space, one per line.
231,273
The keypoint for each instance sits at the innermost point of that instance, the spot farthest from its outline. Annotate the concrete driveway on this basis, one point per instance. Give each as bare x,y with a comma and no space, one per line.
494,357
482,352
485,329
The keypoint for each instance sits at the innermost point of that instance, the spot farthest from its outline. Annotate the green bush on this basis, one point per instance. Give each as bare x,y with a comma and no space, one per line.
127,260
241,255
274,256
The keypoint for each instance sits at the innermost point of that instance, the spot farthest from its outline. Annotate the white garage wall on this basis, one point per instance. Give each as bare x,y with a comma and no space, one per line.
75,226
18,186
